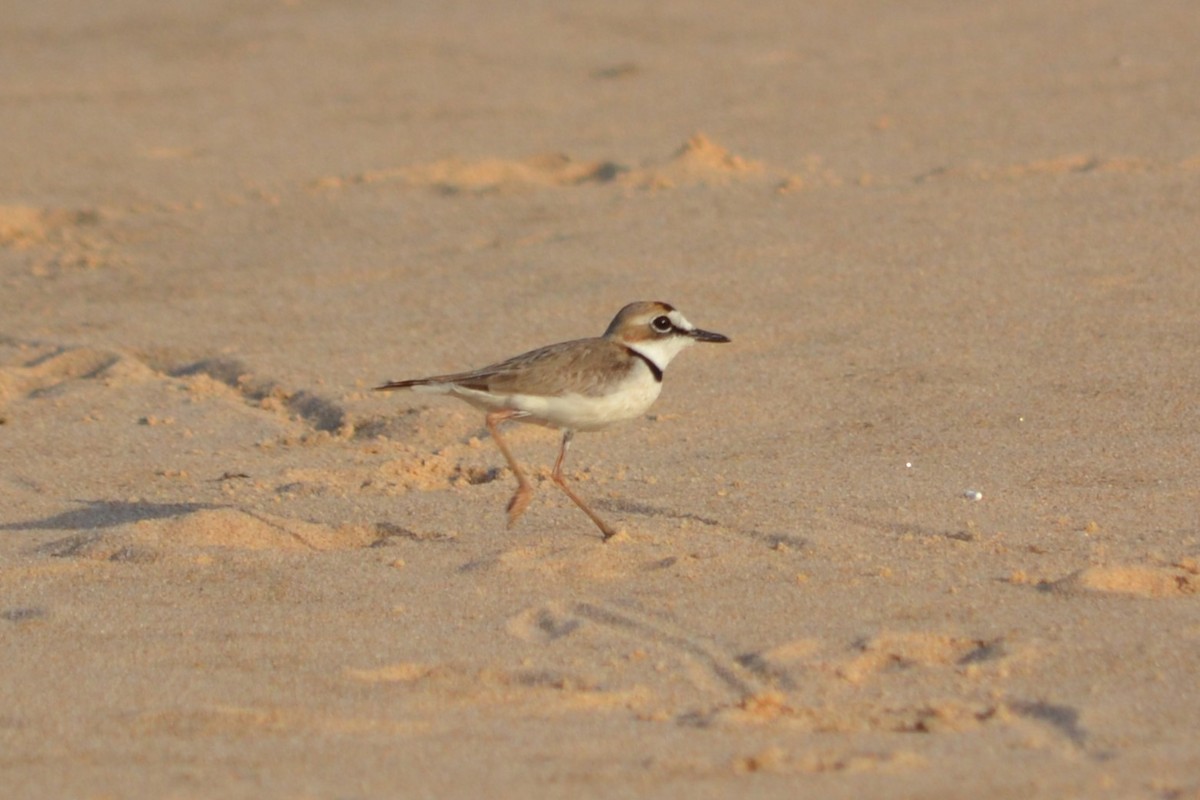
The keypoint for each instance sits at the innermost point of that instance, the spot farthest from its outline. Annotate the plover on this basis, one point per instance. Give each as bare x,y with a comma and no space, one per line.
581,385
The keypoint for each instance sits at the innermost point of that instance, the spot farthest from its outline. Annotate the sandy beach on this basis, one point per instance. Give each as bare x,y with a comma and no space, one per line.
929,527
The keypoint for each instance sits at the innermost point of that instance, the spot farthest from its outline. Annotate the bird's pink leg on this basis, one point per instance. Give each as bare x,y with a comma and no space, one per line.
520,499
558,478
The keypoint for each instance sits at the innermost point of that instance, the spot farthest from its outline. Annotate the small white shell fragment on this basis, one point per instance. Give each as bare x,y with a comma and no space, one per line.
973,494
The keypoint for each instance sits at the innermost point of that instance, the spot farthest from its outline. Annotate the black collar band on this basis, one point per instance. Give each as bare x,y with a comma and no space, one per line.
655,369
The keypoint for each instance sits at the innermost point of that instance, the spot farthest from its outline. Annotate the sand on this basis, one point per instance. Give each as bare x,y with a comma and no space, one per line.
927,528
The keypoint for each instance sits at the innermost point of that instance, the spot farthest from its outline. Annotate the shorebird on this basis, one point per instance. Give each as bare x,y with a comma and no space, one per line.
581,385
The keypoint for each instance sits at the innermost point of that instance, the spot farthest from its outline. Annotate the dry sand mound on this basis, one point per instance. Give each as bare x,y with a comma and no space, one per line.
698,161
195,528
1139,581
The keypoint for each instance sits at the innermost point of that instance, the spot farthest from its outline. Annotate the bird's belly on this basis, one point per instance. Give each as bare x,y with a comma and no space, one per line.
579,412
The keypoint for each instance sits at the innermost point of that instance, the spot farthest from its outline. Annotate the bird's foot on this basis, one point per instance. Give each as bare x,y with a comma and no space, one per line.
518,504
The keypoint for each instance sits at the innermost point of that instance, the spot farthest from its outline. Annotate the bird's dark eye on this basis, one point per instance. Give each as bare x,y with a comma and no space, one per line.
662,324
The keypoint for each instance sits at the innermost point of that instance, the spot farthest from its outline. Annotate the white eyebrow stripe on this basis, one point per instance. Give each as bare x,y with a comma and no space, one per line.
680,321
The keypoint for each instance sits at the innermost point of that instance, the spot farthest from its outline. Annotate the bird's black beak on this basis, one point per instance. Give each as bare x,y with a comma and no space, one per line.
707,336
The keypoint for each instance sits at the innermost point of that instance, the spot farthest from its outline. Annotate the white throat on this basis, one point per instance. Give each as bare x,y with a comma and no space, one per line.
661,351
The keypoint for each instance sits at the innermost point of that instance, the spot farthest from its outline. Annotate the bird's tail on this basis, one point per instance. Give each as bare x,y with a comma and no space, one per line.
420,384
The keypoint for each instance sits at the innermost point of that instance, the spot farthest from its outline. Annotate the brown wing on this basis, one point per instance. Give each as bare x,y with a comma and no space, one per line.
577,366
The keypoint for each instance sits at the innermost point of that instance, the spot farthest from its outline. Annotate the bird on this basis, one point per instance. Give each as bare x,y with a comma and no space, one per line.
579,385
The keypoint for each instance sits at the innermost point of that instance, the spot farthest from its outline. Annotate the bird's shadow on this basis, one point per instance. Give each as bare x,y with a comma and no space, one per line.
771,539
647,510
